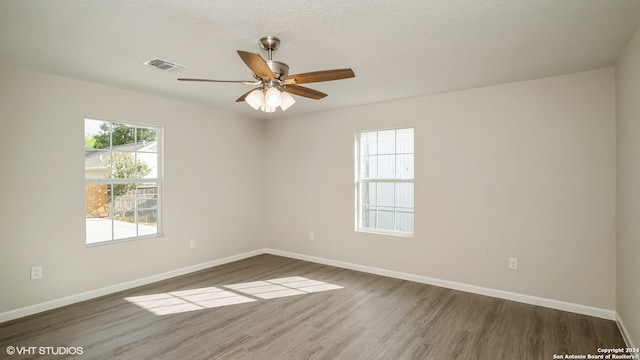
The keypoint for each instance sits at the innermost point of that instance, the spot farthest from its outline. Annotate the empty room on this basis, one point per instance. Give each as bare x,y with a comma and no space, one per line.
319,180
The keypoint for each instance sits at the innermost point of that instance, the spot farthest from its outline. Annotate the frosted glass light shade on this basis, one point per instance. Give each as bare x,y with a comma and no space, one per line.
273,97
287,101
267,108
255,99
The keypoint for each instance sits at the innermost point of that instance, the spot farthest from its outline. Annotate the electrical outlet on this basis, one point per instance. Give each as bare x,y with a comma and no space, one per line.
192,244
312,236
36,272
513,263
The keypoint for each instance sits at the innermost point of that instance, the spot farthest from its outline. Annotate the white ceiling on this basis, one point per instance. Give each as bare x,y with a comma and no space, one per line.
397,49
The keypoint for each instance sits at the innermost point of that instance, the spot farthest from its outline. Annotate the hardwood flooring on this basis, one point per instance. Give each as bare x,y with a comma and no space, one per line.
369,317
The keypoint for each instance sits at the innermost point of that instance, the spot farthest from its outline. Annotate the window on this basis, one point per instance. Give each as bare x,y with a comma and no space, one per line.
122,171
384,181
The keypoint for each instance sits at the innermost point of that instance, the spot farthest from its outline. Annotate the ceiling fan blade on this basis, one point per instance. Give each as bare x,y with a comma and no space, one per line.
257,64
318,76
246,82
241,98
304,91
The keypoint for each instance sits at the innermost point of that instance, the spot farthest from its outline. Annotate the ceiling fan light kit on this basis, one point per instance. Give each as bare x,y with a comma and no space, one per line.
287,101
273,97
255,99
269,99
276,85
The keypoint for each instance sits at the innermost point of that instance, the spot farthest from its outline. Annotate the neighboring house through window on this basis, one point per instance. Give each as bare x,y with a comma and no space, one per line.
384,181
122,180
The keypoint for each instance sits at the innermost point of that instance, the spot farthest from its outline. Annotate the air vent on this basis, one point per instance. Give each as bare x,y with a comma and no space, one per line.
164,65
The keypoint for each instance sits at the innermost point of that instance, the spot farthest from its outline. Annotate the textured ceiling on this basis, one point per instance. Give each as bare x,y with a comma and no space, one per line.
397,49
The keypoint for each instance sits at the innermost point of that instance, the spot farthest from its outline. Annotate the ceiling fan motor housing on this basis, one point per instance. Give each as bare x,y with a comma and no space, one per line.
279,69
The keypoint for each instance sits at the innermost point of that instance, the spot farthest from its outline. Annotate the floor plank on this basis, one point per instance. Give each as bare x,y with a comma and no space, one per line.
369,317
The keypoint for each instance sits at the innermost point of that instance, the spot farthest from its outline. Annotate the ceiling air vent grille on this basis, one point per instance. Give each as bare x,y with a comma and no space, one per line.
164,65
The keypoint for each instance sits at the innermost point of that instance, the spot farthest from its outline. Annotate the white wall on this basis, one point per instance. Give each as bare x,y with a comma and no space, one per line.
524,169
212,189
628,195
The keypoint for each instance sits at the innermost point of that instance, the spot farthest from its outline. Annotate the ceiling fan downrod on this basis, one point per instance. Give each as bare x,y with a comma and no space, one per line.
279,69
269,43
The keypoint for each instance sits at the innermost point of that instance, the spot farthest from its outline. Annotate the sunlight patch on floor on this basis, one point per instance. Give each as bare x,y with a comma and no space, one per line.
188,300
275,288
176,302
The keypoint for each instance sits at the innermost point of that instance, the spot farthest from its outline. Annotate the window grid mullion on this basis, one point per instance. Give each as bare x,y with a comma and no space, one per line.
122,181
395,173
137,230
112,202
135,174
363,183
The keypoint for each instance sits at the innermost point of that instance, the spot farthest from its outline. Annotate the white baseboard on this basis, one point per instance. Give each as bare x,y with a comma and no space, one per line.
56,303
527,299
624,332
506,295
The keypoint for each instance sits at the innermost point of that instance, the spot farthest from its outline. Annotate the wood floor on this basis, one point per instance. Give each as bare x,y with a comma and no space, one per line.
369,317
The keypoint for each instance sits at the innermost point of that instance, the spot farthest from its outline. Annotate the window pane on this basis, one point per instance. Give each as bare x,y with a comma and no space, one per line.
98,222
369,167
147,209
404,220
121,134
404,195
122,164
124,211
386,166
95,156
387,142
385,194
404,141
368,194
96,134
96,197
147,155
404,166
146,165
368,217
386,218
368,143
132,165
124,134
96,163
146,139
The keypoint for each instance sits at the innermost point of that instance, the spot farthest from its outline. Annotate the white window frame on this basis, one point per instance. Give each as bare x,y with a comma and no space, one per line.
359,182
114,181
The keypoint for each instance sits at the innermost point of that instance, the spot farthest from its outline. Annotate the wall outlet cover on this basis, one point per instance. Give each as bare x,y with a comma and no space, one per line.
36,272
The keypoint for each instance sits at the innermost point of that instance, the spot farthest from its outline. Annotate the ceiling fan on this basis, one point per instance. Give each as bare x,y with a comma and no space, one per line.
275,85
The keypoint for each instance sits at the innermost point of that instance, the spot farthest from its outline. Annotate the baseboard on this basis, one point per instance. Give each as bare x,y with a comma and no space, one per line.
624,332
506,295
527,299
52,304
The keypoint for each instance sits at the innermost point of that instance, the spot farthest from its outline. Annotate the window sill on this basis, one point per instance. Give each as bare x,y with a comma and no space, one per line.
118,241
381,232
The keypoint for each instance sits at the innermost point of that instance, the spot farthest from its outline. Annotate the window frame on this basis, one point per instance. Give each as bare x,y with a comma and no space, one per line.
111,181
359,181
